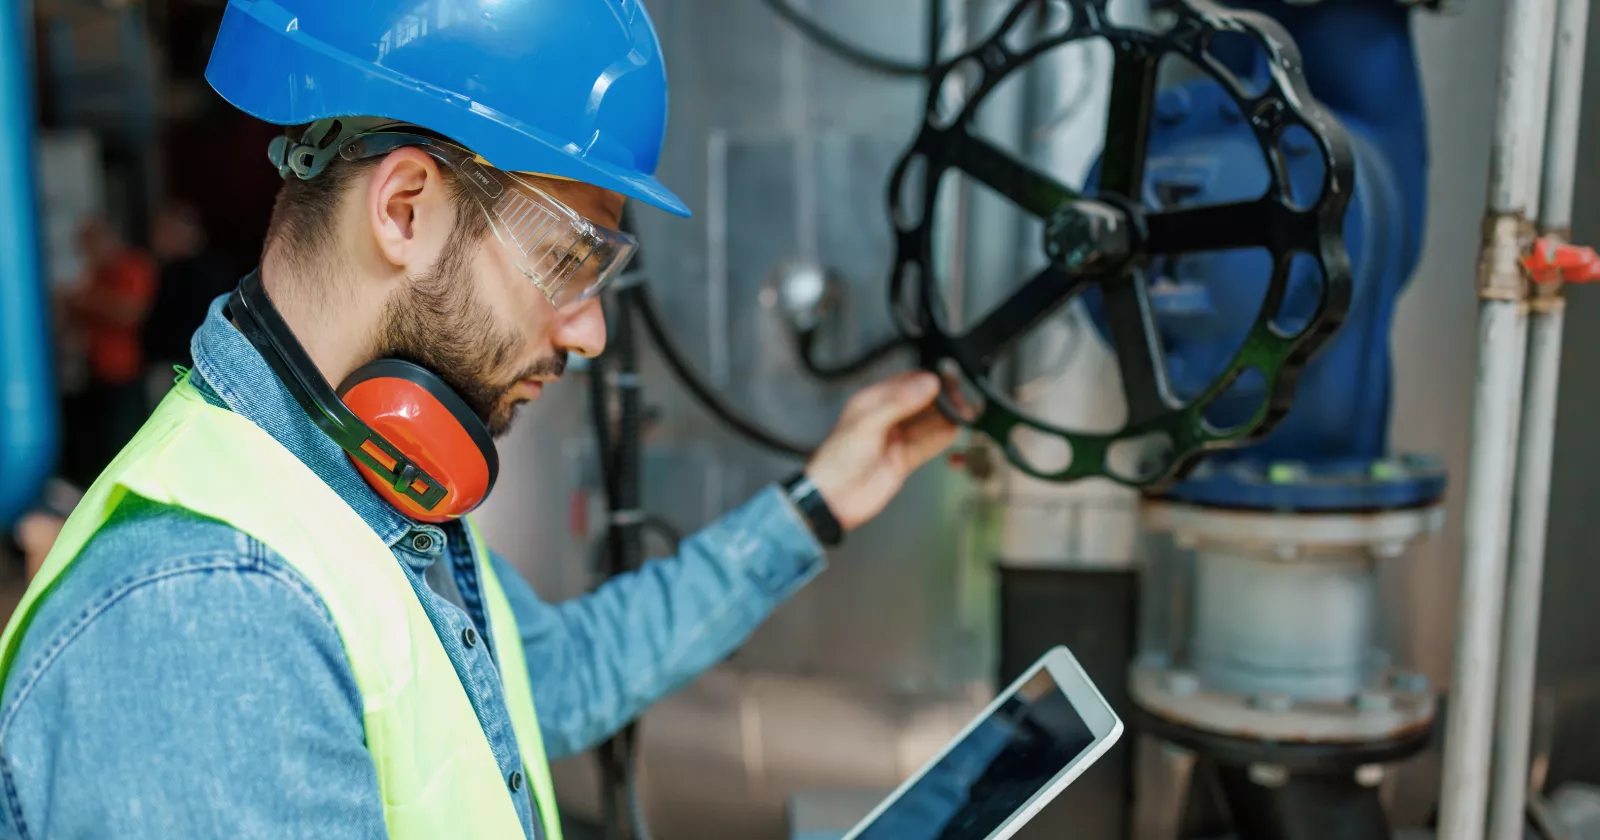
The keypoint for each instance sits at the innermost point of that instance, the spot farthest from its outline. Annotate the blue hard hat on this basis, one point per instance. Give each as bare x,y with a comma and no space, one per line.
575,89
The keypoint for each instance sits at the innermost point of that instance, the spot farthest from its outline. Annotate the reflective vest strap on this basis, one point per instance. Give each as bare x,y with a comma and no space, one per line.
513,666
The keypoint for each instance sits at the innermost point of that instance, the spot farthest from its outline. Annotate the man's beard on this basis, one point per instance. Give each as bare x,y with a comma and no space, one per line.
441,325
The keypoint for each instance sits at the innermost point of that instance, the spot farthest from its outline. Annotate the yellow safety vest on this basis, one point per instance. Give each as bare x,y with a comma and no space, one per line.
436,772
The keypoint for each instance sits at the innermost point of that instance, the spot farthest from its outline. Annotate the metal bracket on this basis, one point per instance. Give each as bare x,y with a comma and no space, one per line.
1106,239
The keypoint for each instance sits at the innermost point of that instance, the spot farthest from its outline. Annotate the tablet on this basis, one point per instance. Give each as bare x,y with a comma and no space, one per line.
1030,743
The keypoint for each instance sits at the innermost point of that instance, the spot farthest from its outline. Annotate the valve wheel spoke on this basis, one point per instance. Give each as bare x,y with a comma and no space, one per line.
1140,357
1262,223
1133,93
1005,325
1000,171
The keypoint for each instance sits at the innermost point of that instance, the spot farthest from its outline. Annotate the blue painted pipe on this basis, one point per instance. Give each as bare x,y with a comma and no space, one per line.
29,433
1360,63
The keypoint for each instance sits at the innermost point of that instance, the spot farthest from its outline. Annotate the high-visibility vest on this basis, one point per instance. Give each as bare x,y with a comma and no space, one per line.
436,772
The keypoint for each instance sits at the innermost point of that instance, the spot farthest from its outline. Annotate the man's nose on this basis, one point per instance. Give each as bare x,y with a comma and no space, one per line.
582,329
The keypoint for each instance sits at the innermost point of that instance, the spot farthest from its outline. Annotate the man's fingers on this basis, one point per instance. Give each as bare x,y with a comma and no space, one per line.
927,435
957,399
877,395
903,398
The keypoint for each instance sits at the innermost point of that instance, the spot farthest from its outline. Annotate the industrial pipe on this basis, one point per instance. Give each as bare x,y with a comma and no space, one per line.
27,399
1532,506
1521,636
1566,109
1523,91
1502,338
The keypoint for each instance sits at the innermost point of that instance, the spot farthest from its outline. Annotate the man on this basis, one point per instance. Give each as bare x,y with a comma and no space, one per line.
108,308
191,277
268,618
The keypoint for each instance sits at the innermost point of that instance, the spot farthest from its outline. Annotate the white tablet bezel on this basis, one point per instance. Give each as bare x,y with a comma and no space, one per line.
1090,705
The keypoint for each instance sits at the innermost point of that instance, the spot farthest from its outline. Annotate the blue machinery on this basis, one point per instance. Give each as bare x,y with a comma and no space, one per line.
28,428
1279,677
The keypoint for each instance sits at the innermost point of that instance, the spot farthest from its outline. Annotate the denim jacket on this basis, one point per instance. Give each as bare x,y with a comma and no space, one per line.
183,681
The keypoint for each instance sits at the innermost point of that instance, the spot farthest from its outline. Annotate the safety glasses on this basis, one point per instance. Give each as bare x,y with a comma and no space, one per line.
568,257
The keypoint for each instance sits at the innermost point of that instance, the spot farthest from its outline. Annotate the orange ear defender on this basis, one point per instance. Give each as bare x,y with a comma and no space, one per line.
412,437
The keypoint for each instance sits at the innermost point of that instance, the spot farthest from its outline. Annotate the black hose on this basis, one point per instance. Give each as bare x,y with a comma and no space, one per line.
627,544
664,528
600,418
630,791
626,548
639,297
806,343
842,48
611,762
600,549
622,543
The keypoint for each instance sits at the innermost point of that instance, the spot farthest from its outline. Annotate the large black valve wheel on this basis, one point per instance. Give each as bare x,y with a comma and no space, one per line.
1108,239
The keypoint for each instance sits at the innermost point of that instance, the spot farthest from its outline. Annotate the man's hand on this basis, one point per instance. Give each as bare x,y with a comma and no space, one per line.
885,433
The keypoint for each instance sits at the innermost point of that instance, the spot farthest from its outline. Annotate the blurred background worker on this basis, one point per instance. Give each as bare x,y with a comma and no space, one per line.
106,310
270,617
192,276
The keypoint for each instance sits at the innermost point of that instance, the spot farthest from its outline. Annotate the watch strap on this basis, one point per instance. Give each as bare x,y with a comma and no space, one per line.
808,500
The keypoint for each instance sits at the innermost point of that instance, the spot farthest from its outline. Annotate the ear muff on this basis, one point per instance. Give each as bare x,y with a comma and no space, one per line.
424,418
411,436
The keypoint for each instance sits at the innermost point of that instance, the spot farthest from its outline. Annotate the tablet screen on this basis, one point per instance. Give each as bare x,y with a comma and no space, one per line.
997,767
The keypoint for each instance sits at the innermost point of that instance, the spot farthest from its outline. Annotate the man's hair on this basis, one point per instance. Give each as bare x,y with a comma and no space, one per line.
303,223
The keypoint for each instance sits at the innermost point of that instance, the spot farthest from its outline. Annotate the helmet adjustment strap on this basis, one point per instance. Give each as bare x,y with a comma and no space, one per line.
318,145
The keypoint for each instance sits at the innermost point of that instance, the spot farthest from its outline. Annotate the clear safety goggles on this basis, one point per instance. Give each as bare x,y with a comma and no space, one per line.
568,257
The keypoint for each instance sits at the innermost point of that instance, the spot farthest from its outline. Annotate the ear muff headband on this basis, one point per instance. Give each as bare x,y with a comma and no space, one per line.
264,327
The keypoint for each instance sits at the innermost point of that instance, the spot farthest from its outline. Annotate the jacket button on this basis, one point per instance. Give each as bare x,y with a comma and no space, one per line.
515,780
422,543
469,637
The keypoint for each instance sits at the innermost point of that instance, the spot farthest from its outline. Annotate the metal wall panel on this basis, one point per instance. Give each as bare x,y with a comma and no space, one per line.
782,152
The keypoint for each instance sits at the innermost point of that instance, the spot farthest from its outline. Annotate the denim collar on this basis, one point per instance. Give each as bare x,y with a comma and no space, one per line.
228,366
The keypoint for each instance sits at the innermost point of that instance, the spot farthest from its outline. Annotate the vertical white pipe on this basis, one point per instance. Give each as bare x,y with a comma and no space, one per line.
1502,340
1521,638
1515,167
1522,107
1531,515
1566,107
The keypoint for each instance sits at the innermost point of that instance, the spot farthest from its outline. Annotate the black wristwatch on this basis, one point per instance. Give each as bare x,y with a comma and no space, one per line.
815,509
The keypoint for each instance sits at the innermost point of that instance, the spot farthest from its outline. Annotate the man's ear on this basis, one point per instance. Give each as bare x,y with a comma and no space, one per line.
408,209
